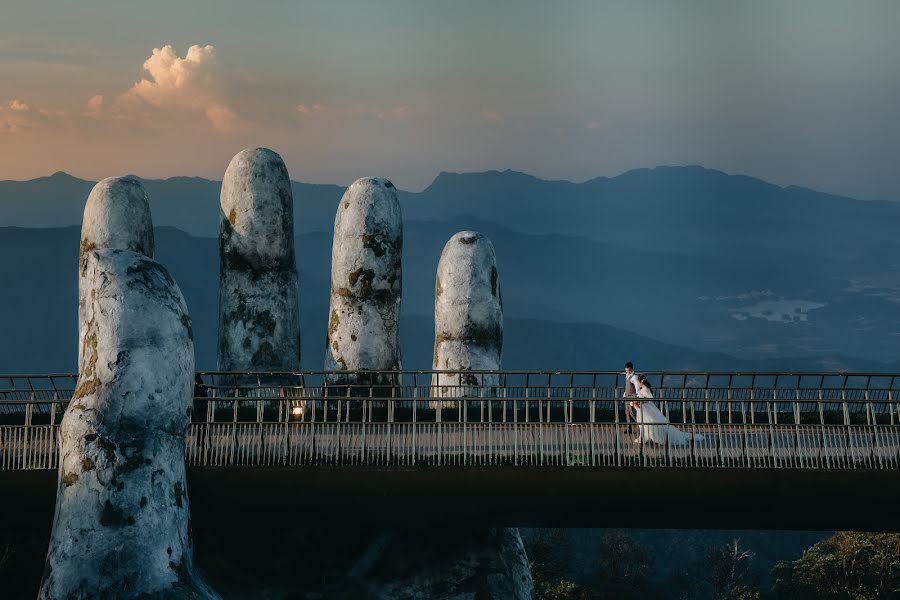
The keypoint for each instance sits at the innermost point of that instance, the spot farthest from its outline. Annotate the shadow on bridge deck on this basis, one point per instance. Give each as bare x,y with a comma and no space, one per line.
527,497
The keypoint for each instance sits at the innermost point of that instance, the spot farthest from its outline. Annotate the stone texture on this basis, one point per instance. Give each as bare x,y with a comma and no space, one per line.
116,215
364,317
259,313
468,315
122,524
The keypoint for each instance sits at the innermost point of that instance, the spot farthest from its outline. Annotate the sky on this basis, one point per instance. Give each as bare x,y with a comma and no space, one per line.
794,92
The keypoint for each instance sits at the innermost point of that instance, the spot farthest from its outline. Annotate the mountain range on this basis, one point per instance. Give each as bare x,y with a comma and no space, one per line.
675,267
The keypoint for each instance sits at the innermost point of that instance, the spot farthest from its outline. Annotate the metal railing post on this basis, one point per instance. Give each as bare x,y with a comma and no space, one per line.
848,428
567,420
30,442
415,426
797,427
618,435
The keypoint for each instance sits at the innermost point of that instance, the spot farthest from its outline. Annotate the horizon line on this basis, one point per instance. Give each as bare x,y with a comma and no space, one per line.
488,171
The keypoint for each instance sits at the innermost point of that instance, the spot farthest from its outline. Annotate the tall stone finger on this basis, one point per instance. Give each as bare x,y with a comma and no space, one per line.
468,316
366,280
259,314
122,523
116,215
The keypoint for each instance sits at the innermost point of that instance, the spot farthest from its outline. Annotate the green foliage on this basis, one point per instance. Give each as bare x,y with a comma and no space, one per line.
743,592
727,570
846,566
560,590
548,552
624,567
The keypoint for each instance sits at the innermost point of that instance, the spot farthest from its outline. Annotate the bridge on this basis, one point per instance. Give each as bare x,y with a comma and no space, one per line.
779,450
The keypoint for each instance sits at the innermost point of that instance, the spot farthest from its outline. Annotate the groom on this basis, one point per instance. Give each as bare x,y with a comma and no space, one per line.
631,387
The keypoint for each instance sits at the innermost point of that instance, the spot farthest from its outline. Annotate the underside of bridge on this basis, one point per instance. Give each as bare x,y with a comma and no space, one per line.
524,497
307,527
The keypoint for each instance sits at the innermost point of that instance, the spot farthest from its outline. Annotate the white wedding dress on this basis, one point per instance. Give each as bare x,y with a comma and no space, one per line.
654,426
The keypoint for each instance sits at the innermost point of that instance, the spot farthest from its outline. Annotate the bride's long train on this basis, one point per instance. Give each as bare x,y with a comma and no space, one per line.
655,427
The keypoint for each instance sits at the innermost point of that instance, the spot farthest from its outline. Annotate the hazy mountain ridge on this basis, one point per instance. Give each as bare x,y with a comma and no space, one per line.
40,308
689,256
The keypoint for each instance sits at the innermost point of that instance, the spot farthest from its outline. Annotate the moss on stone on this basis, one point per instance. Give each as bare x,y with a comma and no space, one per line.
179,494
334,322
265,356
85,247
110,516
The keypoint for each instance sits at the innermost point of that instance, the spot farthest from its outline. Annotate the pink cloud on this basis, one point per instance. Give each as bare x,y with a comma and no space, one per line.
489,114
94,107
192,84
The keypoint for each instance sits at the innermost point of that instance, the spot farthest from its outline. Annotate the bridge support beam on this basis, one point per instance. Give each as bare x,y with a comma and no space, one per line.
671,498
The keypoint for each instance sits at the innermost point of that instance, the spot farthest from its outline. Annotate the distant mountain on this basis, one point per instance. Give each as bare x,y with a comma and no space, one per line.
189,203
685,255
39,328
687,210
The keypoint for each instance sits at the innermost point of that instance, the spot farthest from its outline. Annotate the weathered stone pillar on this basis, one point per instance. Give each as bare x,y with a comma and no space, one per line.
116,215
364,317
468,317
468,325
122,527
259,314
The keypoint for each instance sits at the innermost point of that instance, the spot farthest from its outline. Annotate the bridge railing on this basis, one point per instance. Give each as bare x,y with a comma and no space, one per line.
420,418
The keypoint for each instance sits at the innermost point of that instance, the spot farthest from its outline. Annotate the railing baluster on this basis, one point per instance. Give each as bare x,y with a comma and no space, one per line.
342,427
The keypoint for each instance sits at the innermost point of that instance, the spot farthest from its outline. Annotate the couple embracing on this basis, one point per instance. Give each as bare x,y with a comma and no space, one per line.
653,426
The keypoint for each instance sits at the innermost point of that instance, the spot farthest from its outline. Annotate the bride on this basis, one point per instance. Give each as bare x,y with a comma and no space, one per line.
654,426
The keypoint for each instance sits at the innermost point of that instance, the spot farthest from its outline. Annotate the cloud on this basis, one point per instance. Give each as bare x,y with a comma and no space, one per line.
94,107
335,114
595,125
19,117
192,83
490,114
16,117
311,110
397,112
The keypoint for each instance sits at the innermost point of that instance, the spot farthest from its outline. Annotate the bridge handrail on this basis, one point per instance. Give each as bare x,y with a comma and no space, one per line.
509,371
811,420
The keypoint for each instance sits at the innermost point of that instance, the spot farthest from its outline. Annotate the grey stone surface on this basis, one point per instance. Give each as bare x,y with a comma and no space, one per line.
122,523
116,215
366,281
259,312
468,315
468,326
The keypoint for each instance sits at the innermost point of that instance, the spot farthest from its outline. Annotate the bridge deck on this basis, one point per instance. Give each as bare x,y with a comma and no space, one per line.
499,419
480,445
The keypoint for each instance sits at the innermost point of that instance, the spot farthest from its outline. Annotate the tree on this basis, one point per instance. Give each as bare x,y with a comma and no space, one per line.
546,553
5,555
728,569
846,566
623,567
